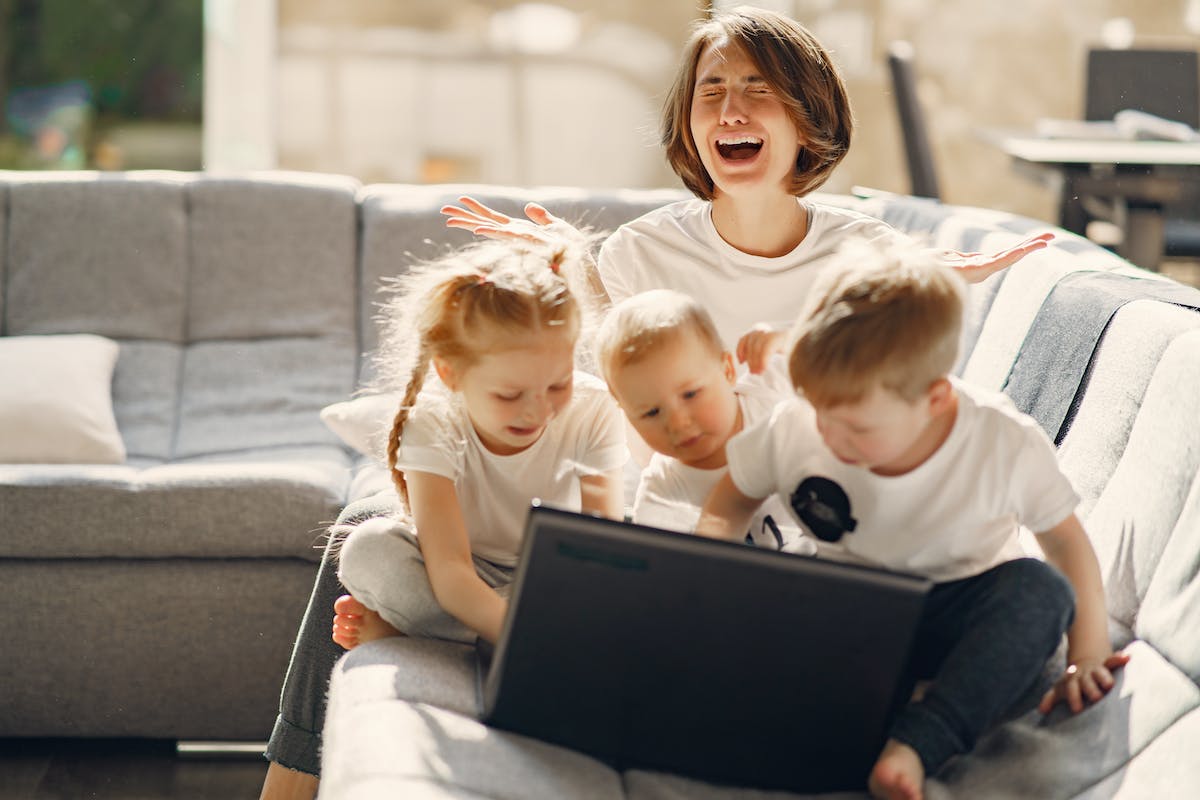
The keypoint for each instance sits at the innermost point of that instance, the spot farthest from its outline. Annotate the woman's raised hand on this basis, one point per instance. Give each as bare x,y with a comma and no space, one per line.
541,227
975,267
757,345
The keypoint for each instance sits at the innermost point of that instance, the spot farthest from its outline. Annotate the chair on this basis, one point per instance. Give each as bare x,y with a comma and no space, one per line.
1162,82
922,172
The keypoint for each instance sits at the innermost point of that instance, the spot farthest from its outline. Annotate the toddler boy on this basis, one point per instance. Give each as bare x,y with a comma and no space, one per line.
664,362
892,462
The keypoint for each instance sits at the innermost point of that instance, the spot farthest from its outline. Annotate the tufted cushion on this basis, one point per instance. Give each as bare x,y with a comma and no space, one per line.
445,753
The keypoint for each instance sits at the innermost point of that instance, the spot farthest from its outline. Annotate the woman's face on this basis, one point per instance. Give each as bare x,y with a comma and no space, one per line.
741,128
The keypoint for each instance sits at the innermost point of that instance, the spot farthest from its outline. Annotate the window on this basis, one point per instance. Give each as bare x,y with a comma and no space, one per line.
105,84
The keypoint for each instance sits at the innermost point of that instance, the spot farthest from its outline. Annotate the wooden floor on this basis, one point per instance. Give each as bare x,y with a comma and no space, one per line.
122,769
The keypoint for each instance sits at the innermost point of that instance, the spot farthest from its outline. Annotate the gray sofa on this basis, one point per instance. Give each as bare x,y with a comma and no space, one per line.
1107,358
160,596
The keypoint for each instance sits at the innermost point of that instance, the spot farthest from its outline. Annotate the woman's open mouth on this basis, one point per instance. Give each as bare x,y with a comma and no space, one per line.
738,148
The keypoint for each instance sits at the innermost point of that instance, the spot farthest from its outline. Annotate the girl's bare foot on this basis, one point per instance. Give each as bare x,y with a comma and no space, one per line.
898,774
355,624
282,783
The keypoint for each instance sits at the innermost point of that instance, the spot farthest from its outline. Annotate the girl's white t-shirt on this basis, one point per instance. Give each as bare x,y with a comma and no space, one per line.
495,491
956,515
678,247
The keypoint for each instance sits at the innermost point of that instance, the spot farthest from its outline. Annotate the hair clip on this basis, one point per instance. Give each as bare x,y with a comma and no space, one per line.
556,260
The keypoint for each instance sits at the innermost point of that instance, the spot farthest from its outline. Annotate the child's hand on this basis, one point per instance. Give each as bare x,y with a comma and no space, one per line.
755,348
1085,681
975,267
542,227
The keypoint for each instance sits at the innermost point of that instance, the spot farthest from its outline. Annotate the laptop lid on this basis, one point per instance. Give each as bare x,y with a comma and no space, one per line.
722,661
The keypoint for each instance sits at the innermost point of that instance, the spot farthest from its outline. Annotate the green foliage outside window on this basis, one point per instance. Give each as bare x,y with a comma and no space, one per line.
80,78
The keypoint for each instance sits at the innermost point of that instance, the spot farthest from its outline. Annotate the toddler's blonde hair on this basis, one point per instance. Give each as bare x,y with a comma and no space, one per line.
887,316
638,325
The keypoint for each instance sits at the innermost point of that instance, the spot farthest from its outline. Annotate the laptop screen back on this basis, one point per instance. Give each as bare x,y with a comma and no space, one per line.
717,660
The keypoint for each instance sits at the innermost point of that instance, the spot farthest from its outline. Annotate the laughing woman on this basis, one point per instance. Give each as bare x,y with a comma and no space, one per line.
756,120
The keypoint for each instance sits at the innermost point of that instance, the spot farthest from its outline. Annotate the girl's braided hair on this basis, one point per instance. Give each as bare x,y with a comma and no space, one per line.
468,303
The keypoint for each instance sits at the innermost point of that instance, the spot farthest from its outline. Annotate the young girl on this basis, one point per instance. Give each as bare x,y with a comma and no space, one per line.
507,419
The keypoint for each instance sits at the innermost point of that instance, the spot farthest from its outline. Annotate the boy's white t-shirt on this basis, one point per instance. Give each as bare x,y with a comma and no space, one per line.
494,491
955,516
671,493
678,247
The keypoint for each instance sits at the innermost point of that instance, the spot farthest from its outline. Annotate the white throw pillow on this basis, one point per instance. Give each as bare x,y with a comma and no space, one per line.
56,400
364,422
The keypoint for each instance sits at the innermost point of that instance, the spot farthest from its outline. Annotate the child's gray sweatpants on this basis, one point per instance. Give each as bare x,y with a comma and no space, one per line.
382,567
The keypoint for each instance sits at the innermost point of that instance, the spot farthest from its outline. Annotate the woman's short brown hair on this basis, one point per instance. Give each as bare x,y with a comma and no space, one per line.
798,70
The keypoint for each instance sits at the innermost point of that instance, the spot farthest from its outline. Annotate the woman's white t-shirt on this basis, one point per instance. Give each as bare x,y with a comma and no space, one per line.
678,247
494,491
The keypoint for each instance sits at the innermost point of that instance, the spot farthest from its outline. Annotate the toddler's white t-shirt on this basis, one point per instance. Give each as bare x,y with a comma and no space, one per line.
671,493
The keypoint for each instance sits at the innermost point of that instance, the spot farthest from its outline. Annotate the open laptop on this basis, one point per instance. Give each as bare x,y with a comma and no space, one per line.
722,661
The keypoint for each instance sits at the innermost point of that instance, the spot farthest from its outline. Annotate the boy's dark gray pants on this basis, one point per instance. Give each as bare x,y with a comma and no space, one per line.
984,641
296,739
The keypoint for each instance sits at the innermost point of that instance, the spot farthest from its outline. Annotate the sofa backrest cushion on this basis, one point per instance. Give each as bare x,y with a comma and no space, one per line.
98,254
402,224
233,298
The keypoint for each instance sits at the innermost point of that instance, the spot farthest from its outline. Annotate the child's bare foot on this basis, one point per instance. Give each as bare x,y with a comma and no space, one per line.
355,624
898,774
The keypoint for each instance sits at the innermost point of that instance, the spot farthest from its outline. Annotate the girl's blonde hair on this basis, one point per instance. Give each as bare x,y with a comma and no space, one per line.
642,323
796,67
879,316
477,300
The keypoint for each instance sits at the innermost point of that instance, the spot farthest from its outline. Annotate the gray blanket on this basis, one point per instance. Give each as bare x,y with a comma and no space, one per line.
1063,339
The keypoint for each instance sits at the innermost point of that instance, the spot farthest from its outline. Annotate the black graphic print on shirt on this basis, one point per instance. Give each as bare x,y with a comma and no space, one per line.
824,508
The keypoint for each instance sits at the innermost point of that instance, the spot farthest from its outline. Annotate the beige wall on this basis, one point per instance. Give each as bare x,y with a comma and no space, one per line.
416,90
991,64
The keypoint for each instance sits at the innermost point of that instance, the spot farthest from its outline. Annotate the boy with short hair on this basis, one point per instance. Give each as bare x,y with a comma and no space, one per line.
665,364
894,463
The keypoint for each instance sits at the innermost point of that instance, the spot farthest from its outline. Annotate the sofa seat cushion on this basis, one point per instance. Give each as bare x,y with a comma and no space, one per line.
271,503
377,743
1168,767
1060,754
374,708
